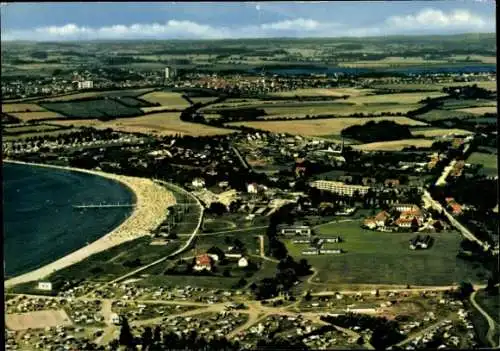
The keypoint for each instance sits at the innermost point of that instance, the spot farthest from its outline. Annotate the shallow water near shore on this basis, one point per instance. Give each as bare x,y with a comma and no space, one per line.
40,224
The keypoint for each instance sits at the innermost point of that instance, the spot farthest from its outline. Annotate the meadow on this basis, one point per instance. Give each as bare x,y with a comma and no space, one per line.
488,161
384,258
320,127
92,94
489,85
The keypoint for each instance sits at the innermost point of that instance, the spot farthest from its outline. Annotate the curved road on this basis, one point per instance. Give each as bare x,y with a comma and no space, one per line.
491,323
178,251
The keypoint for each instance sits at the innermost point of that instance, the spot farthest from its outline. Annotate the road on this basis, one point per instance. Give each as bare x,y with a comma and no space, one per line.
242,160
228,231
492,326
423,331
427,198
178,251
442,179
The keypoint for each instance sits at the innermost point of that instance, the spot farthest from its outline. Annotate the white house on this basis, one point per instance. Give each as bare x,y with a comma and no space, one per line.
115,319
45,286
252,188
242,262
198,182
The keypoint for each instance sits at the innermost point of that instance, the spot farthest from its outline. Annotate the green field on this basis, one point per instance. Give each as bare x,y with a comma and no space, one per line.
437,115
97,108
384,258
488,161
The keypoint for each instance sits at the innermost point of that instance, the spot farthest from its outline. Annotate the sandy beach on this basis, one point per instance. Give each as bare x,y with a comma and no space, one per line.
152,202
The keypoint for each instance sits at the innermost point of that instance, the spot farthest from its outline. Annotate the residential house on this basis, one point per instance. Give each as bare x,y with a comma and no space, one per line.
455,207
407,222
252,188
203,262
391,182
368,181
198,183
242,262
382,218
370,223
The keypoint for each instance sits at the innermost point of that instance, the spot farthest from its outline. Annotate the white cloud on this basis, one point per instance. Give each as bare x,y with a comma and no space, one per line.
426,21
432,18
296,24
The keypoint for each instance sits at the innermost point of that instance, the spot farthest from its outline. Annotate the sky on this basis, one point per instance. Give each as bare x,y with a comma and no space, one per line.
233,20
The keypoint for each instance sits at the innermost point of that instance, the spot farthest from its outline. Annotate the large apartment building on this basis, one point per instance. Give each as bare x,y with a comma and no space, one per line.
339,187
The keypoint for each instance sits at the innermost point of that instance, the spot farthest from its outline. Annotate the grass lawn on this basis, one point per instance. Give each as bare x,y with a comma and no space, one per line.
184,280
488,161
384,258
216,225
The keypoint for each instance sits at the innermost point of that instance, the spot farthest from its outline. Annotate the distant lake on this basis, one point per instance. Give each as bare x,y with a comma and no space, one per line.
39,222
483,68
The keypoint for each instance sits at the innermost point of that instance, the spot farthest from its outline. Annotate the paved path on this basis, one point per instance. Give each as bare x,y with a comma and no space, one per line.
427,198
228,231
492,326
424,331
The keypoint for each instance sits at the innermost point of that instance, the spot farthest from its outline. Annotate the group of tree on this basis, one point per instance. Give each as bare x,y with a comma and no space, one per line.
377,131
156,339
385,332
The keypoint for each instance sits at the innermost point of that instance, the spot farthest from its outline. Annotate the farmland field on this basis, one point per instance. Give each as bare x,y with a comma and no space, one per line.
337,108
162,123
479,110
33,116
400,98
384,258
91,94
167,99
26,107
92,108
436,115
320,127
38,133
489,85
488,161
324,92
393,145
437,132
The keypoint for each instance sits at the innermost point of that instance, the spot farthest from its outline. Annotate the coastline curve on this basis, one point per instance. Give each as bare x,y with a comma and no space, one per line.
151,204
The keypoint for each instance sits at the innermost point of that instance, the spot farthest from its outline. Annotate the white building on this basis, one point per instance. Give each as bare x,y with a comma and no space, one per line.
198,182
85,84
242,262
115,319
339,187
252,188
45,286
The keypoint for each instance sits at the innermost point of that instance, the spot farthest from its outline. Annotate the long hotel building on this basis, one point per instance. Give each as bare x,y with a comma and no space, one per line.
339,187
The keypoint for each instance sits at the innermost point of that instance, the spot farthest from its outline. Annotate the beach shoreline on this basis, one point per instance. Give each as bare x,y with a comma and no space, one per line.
151,204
